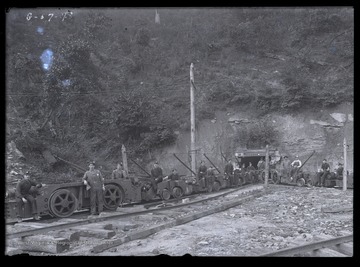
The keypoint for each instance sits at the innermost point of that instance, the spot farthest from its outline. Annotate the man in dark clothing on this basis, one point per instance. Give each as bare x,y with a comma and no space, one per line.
24,194
174,175
210,176
156,175
94,181
261,164
340,171
202,173
325,170
229,172
118,173
251,172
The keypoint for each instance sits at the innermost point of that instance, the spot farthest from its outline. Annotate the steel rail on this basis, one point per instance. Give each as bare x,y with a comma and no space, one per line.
111,217
310,247
193,196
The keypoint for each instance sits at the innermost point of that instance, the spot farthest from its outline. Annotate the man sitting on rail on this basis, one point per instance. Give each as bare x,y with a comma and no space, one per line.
26,191
174,176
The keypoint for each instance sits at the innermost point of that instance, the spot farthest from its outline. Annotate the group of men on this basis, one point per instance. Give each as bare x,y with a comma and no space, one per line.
27,189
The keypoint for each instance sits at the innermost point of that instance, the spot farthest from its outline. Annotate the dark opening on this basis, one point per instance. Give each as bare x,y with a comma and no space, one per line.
254,160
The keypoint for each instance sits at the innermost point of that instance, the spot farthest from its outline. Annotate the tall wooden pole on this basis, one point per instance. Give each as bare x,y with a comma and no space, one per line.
267,166
345,166
124,158
192,119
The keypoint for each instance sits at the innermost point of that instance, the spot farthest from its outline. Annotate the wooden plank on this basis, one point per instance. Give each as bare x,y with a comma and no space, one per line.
69,235
87,231
11,251
40,243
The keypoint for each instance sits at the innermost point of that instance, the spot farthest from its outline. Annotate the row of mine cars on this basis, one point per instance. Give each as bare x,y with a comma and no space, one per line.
62,200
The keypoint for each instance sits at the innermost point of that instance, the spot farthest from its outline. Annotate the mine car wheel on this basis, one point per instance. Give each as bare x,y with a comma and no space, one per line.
165,194
300,182
113,197
63,203
236,181
177,192
216,186
275,178
309,182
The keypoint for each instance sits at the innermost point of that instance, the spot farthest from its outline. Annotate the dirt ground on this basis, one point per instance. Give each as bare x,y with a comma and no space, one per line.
284,216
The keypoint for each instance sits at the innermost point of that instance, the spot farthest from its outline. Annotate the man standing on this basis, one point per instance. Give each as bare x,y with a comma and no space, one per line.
296,164
285,167
202,173
94,181
24,194
325,170
118,173
157,175
261,164
251,172
229,172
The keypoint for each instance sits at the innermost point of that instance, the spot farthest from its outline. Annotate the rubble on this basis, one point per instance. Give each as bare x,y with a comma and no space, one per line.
284,217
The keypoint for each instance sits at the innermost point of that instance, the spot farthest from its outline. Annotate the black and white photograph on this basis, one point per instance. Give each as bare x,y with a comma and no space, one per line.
179,131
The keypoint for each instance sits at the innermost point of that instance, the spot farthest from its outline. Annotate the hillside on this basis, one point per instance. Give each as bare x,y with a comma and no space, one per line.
116,77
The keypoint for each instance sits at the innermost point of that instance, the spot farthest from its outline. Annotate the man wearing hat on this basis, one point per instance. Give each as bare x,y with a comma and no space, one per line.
157,175
296,164
25,192
94,181
229,172
325,170
339,170
118,173
285,167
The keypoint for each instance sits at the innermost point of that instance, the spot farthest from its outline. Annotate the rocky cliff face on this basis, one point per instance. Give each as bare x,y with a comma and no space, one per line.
299,134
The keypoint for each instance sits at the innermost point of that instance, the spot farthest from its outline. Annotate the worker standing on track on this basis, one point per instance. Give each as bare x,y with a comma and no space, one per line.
94,182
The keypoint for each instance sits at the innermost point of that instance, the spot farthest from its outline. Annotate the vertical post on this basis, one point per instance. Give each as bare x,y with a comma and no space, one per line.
345,167
192,119
124,158
267,166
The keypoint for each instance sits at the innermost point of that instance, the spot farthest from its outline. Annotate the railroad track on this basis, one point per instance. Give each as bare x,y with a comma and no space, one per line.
335,247
246,190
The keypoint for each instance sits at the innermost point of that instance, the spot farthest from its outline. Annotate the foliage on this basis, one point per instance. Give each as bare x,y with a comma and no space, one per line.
257,135
119,78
